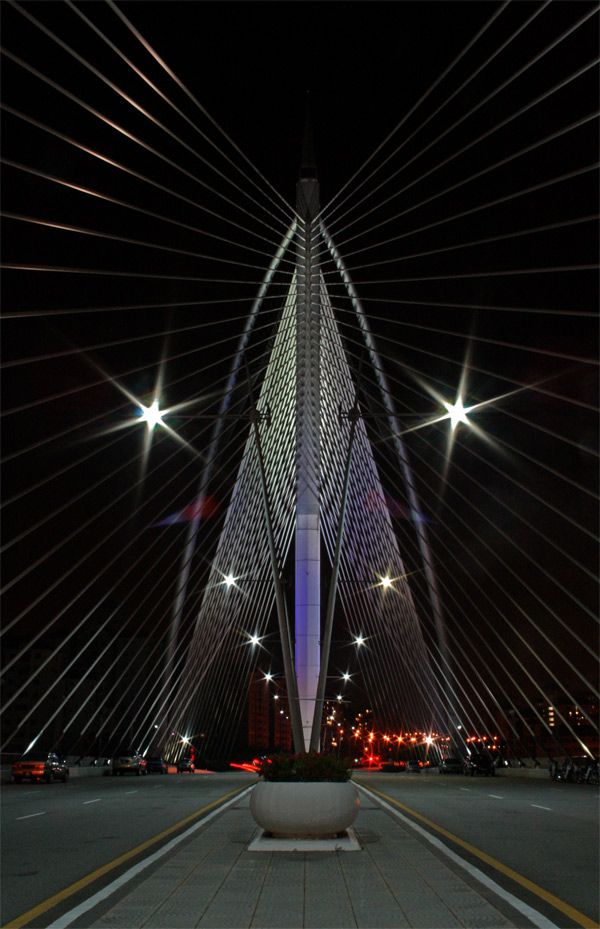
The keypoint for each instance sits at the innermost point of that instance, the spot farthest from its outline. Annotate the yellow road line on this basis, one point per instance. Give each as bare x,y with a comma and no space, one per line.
580,918
56,898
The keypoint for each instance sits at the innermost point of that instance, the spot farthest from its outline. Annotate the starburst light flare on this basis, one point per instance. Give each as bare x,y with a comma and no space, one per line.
151,415
457,413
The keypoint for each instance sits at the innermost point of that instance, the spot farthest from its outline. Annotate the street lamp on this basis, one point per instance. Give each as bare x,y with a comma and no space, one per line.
457,412
151,415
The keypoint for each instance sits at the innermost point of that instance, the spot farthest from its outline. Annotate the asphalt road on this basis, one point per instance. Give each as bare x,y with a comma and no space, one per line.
547,832
54,834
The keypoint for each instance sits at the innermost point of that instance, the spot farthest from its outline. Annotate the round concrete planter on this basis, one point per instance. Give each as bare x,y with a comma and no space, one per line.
314,808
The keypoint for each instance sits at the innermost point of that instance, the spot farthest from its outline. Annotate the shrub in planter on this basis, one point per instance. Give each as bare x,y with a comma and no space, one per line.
305,795
307,766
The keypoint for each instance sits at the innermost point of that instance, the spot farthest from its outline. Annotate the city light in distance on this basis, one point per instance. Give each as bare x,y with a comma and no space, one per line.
268,676
229,580
359,640
346,676
254,639
386,581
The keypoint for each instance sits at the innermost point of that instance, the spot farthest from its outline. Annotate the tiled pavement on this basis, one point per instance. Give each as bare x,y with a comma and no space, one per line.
397,880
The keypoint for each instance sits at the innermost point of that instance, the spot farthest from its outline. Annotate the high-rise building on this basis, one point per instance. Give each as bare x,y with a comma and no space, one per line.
268,718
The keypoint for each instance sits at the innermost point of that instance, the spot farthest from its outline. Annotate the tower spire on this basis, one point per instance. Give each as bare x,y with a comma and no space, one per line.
308,168
307,188
308,429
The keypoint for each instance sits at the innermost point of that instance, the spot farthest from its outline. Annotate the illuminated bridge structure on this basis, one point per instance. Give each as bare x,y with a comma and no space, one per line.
339,454
308,478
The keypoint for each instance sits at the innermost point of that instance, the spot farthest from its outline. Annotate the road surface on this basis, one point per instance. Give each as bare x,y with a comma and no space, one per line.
547,832
55,834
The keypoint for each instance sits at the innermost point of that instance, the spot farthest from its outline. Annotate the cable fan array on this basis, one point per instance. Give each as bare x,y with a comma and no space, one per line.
150,264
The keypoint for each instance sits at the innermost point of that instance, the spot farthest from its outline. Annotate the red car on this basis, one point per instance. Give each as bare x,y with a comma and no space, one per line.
40,766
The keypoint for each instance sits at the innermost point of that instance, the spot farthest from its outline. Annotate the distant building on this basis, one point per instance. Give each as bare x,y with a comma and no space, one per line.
29,686
59,703
551,727
269,727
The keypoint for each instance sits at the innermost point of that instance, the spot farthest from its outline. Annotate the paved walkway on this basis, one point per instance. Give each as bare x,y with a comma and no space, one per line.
397,880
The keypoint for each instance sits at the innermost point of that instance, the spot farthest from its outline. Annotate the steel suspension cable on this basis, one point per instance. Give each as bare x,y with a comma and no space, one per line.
191,123
499,125
328,211
194,100
122,131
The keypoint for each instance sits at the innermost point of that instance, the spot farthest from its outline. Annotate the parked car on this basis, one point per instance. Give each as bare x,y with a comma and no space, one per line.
158,765
393,766
451,766
479,764
129,763
40,766
185,764
413,766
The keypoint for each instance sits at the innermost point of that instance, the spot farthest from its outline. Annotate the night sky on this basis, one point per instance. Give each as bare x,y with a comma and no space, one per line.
434,254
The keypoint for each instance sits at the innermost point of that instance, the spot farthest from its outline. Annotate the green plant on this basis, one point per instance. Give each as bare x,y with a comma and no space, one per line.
307,766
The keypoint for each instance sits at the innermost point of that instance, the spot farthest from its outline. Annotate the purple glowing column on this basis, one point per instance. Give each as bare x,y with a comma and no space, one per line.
308,422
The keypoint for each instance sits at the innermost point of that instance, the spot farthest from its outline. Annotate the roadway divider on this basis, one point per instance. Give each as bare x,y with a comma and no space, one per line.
92,771
89,771
103,771
523,772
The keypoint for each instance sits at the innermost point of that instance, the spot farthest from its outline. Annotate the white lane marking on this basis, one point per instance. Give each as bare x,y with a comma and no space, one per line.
538,919
67,918
495,796
538,807
465,788
131,791
91,801
31,815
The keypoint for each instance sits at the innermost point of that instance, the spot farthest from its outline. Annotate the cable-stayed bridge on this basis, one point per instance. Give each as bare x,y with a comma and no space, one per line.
371,477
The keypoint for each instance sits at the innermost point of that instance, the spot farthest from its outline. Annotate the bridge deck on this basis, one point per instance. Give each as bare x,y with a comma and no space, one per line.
396,880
